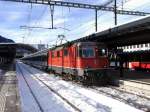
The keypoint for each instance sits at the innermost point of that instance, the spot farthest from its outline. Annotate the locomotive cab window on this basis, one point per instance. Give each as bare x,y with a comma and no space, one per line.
88,52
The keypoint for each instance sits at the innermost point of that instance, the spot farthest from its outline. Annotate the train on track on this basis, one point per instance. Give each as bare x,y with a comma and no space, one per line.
138,60
139,66
86,62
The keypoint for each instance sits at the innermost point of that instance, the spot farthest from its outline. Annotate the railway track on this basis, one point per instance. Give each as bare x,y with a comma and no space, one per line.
122,95
30,89
137,87
115,93
51,89
124,90
126,97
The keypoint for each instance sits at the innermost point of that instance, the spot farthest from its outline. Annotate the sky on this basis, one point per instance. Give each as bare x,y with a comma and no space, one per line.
72,22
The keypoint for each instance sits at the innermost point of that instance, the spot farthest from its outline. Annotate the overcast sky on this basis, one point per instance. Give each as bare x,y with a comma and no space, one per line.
79,22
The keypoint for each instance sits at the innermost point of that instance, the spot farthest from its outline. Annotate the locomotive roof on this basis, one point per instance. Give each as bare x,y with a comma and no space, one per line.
44,52
74,43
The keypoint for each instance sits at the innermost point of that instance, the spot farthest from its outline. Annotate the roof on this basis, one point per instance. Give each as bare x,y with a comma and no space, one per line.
131,33
19,45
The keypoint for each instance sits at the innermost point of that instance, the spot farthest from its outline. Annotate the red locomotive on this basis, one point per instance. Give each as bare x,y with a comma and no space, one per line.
86,61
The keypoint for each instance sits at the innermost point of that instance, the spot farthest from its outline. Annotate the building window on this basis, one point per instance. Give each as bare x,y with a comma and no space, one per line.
146,45
130,47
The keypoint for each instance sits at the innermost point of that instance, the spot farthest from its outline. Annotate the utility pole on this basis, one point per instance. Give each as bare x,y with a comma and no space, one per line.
115,11
52,15
96,20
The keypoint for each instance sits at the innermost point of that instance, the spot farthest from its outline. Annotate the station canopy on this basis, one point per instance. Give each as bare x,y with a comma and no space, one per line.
137,32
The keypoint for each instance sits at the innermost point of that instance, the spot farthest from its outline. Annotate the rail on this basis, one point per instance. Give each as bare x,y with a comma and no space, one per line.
31,91
55,92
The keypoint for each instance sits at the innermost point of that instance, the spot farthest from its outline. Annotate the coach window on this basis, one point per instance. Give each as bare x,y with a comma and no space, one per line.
65,52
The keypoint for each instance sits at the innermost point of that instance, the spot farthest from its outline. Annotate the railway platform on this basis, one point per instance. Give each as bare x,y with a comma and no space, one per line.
139,76
133,81
142,76
9,96
131,75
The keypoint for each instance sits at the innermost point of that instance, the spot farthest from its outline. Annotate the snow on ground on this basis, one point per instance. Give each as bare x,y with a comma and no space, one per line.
85,99
28,103
128,97
48,100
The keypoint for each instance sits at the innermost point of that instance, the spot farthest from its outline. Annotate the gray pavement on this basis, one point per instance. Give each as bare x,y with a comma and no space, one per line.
9,96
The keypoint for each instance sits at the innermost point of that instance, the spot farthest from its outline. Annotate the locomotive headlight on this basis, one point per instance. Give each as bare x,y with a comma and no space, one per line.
103,51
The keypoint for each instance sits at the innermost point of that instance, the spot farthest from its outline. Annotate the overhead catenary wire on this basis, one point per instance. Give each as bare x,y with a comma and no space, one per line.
37,22
78,27
75,29
29,20
104,4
